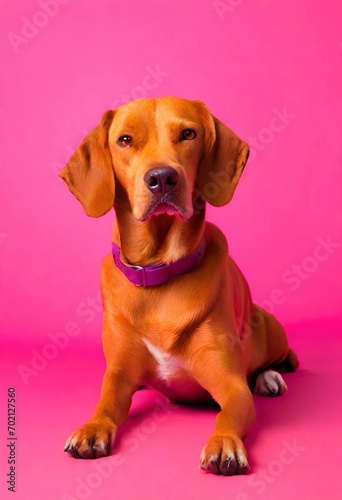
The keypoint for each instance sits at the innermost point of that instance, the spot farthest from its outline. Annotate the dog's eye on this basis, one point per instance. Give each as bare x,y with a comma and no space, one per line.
188,134
125,141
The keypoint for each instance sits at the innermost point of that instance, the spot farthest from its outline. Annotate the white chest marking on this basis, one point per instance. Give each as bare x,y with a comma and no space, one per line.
168,365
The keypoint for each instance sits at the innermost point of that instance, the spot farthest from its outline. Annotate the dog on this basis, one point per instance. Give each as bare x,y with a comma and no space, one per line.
178,314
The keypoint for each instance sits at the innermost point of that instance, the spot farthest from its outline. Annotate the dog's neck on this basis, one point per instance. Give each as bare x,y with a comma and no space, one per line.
163,238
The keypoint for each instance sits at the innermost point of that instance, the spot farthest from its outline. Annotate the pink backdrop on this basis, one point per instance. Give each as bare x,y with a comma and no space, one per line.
271,70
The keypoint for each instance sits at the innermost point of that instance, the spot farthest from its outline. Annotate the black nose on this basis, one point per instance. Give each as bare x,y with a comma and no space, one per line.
161,180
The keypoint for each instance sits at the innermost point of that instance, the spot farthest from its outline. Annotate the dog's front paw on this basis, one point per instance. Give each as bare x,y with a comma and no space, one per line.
93,440
224,455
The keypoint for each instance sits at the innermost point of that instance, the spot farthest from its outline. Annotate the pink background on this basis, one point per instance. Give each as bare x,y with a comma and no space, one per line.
249,62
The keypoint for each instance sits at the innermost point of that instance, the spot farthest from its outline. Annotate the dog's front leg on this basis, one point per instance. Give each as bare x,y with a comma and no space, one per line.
94,439
224,452
124,357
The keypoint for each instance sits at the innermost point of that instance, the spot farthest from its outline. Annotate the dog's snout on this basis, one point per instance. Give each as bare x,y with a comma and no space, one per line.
161,180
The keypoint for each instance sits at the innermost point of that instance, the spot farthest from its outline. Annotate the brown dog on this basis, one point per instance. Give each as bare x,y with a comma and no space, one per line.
190,329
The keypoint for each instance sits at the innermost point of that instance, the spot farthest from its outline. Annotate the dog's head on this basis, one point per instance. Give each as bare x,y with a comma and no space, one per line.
161,152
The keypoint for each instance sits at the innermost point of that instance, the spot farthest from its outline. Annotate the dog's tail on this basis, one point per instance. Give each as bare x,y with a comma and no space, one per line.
290,363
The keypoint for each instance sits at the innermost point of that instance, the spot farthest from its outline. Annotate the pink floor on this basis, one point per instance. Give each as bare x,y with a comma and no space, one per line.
294,445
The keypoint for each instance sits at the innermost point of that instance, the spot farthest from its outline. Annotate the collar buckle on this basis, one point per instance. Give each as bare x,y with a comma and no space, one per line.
157,274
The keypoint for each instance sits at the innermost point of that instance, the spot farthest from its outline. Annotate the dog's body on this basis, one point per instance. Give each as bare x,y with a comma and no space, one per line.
198,335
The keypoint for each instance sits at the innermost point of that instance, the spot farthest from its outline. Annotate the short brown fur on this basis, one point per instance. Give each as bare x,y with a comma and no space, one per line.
204,319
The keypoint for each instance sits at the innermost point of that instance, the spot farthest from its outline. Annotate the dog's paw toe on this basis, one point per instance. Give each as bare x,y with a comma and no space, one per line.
90,441
270,383
224,455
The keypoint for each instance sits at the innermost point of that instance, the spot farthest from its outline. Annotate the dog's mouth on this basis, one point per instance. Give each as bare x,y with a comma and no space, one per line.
164,208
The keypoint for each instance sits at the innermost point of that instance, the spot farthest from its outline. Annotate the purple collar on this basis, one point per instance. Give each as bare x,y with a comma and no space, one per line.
156,274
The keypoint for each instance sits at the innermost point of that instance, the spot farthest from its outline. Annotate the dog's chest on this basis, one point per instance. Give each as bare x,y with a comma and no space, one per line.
171,377
168,366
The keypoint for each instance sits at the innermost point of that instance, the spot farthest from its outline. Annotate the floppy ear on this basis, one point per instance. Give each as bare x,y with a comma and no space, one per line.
220,171
89,172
